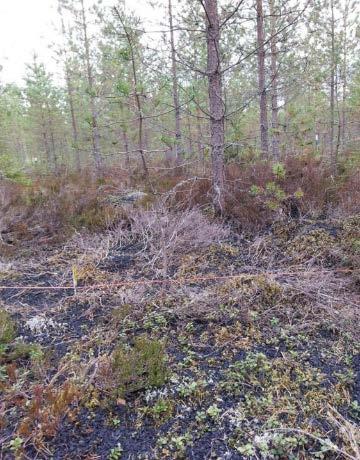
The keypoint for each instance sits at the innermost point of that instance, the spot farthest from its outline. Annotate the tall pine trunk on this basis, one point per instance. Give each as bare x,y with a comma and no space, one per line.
333,147
264,128
70,97
345,71
274,83
95,135
178,147
216,103
137,94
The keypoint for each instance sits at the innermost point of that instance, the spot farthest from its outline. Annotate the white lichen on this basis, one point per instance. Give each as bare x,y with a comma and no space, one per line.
40,324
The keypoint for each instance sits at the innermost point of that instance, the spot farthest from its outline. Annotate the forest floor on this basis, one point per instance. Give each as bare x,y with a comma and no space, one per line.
248,348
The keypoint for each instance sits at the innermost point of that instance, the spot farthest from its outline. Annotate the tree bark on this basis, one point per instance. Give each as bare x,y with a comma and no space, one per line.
178,148
137,95
264,127
95,135
216,103
127,154
274,83
70,99
52,138
345,71
200,145
333,149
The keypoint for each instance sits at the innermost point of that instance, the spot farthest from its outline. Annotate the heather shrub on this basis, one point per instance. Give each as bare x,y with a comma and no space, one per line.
49,208
52,207
257,191
139,368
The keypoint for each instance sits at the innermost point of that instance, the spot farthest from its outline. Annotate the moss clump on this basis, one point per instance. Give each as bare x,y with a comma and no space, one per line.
21,350
355,245
317,243
351,226
269,292
7,328
141,367
350,242
286,394
94,216
161,411
284,390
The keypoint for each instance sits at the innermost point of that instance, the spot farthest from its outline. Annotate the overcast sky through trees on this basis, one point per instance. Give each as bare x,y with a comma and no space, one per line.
28,26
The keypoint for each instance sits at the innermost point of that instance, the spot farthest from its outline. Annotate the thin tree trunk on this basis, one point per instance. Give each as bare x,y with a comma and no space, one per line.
74,127
70,98
139,113
216,103
127,154
136,95
344,86
338,128
47,150
200,144
338,135
46,144
178,148
190,139
333,150
95,135
264,128
274,83
52,138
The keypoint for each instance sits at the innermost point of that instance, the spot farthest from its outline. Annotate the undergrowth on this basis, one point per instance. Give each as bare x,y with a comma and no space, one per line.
203,338
50,208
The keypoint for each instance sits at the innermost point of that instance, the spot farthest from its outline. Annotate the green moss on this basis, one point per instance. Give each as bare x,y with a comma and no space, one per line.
7,328
31,353
355,245
282,386
161,411
269,292
316,243
95,216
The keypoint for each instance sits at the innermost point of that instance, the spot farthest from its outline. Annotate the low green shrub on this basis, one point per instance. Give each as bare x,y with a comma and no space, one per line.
141,367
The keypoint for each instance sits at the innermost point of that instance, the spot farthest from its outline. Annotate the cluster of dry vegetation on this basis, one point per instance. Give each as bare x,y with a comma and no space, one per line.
136,323
49,208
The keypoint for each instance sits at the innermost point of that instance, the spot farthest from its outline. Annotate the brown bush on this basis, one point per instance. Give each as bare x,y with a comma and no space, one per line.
321,193
53,206
164,234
